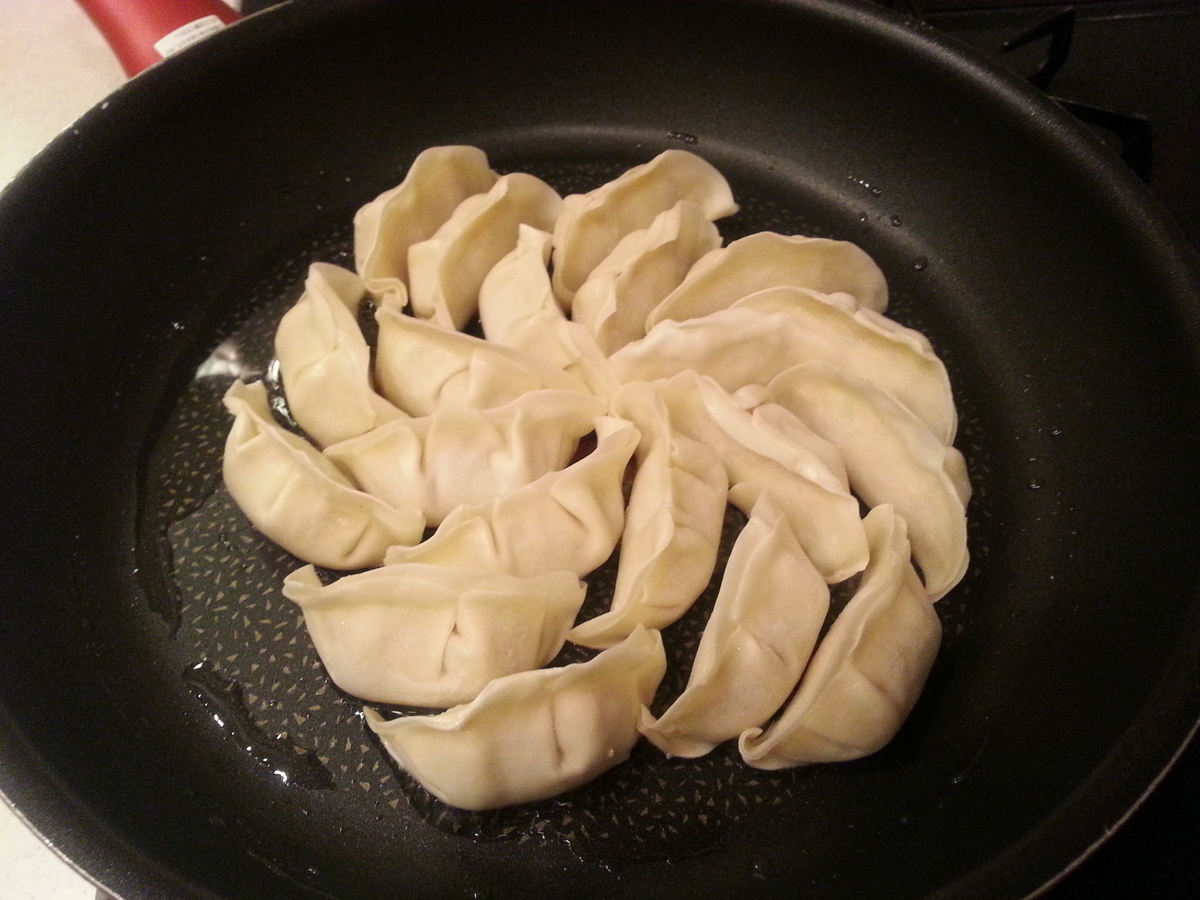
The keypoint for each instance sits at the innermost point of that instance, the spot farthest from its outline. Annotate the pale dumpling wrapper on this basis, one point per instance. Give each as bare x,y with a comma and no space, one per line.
518,309
569,520
298,498
446,271
432,636
759,637
672,525
643,268
772,431
438,180
823,514
715,345
422,367
868,670
767,259
891,457
325,362
460,456
869,345
590,225
532,735
787,326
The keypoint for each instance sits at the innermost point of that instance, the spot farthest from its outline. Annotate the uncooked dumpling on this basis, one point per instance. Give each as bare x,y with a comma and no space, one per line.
433,636
298,498
868,344
445,271
788,326
422,367
468,456
325,362
672,525
643,268
758,639
716,345
770,430
534,734
565,521
518,309
867,672
518,288
439,179
891,457
767,259
592,224
823,515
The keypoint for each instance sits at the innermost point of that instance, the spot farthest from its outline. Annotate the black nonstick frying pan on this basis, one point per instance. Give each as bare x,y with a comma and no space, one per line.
163,719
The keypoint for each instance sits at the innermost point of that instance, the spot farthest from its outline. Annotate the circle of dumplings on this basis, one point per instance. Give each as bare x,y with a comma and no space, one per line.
560,399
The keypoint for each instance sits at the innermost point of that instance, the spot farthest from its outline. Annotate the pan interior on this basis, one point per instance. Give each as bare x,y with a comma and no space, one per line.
214,748
265,709
243,655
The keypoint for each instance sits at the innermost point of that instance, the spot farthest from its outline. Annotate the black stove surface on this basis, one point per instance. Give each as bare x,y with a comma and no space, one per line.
1132,61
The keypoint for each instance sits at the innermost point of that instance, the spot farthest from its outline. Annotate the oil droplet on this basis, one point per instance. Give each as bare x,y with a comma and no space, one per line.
865,185
1035,485
762,869
682,136
921,264
895,220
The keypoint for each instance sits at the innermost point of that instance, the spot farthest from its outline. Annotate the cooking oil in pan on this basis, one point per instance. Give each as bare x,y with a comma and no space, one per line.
225,700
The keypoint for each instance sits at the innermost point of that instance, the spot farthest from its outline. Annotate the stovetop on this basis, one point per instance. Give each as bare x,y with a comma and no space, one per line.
1133,66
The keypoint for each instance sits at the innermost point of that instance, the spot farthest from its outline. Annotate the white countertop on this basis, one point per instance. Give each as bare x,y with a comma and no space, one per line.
54,66
31,871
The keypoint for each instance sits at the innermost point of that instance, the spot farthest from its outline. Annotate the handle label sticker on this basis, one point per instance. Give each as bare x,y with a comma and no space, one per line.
186,35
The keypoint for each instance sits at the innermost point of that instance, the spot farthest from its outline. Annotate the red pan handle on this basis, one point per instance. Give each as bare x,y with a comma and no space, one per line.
141,32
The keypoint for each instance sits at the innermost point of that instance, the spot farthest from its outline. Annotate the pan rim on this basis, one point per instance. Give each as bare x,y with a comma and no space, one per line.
1160,236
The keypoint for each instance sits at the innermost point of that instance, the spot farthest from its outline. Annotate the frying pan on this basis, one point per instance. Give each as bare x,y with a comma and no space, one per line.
163,720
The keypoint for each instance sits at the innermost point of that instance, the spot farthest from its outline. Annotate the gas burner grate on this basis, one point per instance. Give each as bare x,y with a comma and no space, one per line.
1133,132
